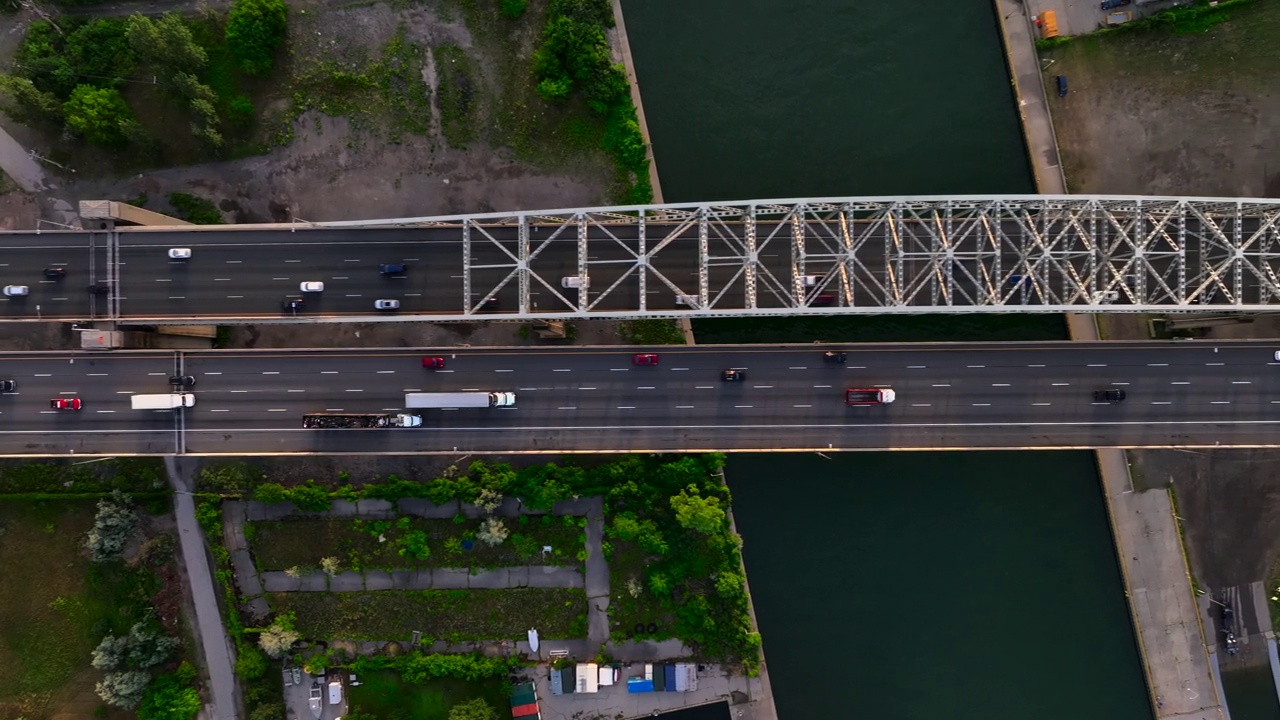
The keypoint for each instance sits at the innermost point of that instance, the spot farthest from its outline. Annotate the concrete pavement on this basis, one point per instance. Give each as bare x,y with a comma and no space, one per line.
209,629
1033,99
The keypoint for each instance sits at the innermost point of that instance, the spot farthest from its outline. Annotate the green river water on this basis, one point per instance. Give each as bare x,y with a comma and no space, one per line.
913,586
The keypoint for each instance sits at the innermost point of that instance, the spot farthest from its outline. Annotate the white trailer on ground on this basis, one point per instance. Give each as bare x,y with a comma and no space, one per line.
167,401
452,400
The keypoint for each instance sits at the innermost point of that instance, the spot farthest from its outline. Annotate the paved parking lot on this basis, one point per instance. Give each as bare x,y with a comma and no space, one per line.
1078,17
297,696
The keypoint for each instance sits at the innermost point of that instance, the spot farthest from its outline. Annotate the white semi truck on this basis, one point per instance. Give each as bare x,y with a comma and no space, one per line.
459,400
167,401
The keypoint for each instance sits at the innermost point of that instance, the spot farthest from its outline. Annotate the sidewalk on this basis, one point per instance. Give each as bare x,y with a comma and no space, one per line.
1029,91
1171,642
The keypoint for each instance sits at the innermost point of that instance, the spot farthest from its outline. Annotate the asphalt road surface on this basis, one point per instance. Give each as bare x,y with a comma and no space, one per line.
250,274
1029,395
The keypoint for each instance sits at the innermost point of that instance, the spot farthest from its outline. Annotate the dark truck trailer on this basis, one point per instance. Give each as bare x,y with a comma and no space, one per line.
337,421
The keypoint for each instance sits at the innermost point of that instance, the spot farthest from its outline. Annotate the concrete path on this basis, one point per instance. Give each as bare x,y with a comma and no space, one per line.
1029,91
1180,674
210,631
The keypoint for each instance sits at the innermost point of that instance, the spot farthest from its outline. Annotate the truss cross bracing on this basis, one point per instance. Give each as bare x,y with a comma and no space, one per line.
870,255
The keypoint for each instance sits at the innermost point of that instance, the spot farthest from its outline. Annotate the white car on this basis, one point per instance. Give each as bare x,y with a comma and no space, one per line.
312,286
16,290
386,304
1277,356
179,253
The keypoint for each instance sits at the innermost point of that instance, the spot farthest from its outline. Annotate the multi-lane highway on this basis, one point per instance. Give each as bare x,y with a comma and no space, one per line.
844,255
1029,395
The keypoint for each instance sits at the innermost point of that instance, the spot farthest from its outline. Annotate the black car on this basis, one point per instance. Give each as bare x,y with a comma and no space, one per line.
292,304
392,269
490,305
8,386
182,381
55,273
732,375
834,358
1112,396
1112,4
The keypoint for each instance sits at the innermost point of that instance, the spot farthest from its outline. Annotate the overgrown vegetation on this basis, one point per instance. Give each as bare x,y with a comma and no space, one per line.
195,209
255,31
34,479
651,332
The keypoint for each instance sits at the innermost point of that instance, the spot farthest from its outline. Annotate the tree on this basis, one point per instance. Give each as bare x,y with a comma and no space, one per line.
171,696
165,44
110,653
492,532
488,500
148,648
99,114
115,522
123,689
255,30
29,101
269,493
697,513
279,637
476,709
250,664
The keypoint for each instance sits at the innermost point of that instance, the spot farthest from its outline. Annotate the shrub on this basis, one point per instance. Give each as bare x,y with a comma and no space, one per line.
171,696
279,637
123,689
492,532
309,497
113,526
195,210
251,664
414,545
209,515
697,513
330,565
476,709
99,114
255,30
514,8
270,493
488,500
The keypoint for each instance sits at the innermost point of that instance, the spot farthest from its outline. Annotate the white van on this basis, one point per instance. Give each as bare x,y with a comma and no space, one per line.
167,401
808,280
687,300
575,281
335,692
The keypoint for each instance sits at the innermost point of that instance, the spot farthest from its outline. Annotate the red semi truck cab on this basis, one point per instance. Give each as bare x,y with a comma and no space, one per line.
868,396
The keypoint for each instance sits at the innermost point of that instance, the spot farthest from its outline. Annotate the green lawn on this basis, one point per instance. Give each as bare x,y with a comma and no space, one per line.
438,614
384,695
54,605
304,541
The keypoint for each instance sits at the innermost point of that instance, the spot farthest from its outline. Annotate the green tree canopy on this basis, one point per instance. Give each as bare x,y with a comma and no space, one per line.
697,513
476,709
255,30
166,44
171,696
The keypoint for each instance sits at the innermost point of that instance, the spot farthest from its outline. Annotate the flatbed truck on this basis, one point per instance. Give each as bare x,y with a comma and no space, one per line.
338,421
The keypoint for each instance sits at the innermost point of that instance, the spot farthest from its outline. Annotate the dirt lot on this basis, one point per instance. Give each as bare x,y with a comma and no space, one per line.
1163,114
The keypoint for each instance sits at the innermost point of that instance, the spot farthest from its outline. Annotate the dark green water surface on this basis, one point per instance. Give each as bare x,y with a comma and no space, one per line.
931,586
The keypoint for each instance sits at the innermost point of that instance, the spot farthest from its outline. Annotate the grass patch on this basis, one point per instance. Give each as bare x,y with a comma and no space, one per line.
383,694
632,607
304,542
457,95
195,210
651,332
454,615
882,328
134,475
56,604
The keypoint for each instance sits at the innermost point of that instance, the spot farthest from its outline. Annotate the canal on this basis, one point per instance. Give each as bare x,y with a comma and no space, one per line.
914,586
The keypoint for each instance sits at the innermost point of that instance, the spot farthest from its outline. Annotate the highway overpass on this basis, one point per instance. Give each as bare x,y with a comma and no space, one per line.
949,396
731,259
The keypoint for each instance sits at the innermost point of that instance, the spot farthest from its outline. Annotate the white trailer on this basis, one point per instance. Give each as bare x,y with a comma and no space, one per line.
452,400
167,401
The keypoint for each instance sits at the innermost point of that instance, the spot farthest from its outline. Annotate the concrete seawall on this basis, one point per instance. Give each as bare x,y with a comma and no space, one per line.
622,51
1018,34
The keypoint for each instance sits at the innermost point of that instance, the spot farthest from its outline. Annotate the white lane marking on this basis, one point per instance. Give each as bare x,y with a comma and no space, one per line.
130,392
586,388
177,297
48,412
333,409
1041,404
921,405
619,369
413,389
1219,402
234,297
340,277
645,387
1161,402
293,261
1241,382
1179,382
1215,363
1157,364
703,387
941,385
763,387
385,372
1121,383
690,407
504,370
626,407
802,367
1000,385
222,279
158,374
568,407
356,295
234,262
1061,384
679,368
277,410
743,406
328,372
96,374
104,411
354,390
350,261
1035,366
270,372
916,367
444,371
1096,365
219,411
855,367
982,404
279,278
562,370
975,366
1100,403
211,373
164,279
239,391
295,390
822,386
801,406
44,374
526,389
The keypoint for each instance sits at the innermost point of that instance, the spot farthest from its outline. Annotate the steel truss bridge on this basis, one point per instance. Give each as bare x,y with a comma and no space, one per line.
876,255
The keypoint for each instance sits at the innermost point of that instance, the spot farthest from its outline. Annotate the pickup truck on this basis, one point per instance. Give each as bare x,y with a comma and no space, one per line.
868,396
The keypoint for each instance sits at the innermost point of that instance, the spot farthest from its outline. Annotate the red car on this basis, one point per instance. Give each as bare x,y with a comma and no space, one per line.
65,403
435,362
644,359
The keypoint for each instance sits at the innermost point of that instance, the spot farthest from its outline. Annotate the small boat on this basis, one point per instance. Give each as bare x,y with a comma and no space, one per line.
533,640
316,701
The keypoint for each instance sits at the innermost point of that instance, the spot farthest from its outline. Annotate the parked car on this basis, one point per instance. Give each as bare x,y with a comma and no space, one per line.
644,359
386,304
1112,4
179,253
8,386
732,375
182,381
433,362
392,269
1113,396
16,290
834,358
72,403
311,286
55,273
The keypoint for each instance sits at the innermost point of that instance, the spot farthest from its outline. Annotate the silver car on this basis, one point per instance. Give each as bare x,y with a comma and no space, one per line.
386,305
